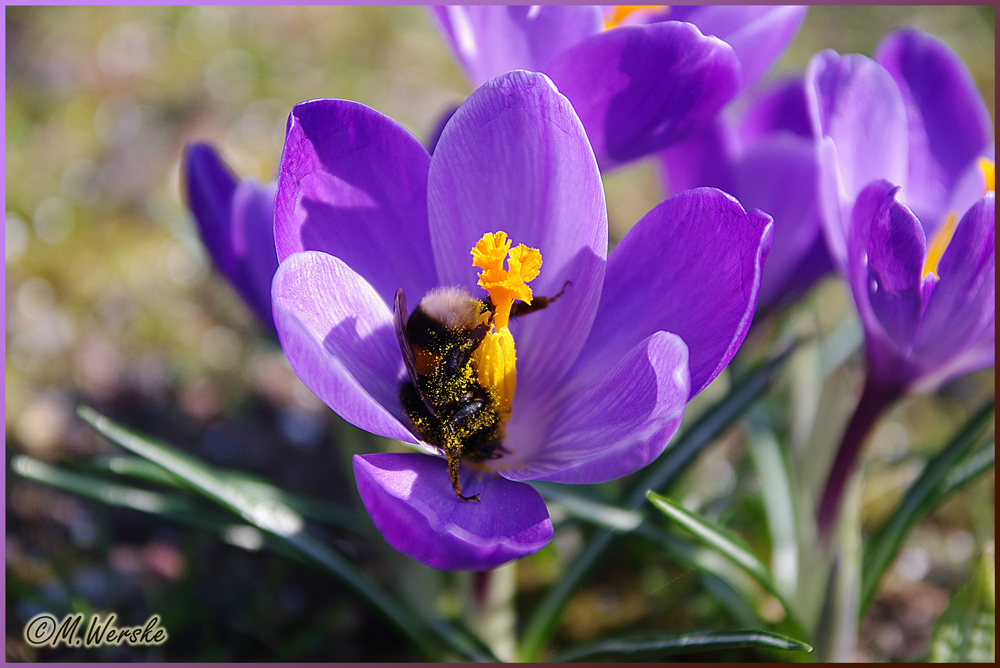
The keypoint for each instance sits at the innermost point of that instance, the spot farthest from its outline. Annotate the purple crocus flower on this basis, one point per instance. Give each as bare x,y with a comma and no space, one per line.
905,159
928,316
603,373
912,116
767,159
236,222
637,88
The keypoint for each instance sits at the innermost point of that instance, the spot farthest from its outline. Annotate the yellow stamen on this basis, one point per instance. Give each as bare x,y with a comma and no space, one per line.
495,356
943,237
621,12
505,285
989,171
939,243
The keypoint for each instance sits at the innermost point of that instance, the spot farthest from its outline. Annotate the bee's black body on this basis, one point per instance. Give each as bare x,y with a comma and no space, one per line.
447,405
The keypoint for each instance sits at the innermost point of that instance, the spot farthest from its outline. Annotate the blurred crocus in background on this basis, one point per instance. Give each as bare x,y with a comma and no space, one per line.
638,82
766,157
235,220
906,187
603,373
913,116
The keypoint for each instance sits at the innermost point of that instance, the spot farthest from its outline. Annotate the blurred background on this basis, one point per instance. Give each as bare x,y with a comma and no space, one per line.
112,302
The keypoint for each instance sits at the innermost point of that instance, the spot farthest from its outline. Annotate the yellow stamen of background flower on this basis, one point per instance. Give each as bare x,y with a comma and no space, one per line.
621,12
989,171
943,237
939,243
495,356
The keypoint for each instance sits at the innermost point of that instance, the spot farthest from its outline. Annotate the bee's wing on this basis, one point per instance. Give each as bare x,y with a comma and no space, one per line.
399,320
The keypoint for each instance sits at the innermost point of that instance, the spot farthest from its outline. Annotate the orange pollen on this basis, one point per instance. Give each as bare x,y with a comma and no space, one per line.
619,13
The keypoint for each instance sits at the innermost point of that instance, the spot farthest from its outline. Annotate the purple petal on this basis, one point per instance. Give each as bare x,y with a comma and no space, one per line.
253,243
691,266
236,222
706,158
491,40
410,500
210,186
950,126
618,424
858,114
515,158
885,253
957,333
435,134
894,252
782,106
759,35
638,89
778,175
969,189
353,183
339,339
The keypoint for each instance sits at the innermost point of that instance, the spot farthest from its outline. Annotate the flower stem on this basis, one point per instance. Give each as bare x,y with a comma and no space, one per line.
874,400
490,605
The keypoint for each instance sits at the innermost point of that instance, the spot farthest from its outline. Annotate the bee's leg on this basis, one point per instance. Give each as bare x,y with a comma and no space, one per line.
453,460
537,303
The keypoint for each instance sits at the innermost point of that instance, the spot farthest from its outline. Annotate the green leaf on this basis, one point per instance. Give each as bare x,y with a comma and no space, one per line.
120,496
589,509
320,510
966,632
736,591
777,493
938,478
279,520
138,468
727,544
968,469
174,508
657,647
659,474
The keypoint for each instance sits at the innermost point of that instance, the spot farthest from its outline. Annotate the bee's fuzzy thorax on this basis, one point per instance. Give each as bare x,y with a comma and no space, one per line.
451,306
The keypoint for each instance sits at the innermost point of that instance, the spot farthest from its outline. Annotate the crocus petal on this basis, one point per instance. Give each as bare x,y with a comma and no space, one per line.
353,183
778,175
706,158
758,34
969,189
957,333
253,243
210,186
639,88
235,220
859,117
515,158
410,500
491,40
888,248
435,134
885,284
340,341
691,266
950,125
781,106
617,425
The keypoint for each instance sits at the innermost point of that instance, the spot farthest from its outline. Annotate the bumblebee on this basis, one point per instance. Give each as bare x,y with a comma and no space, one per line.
447,404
